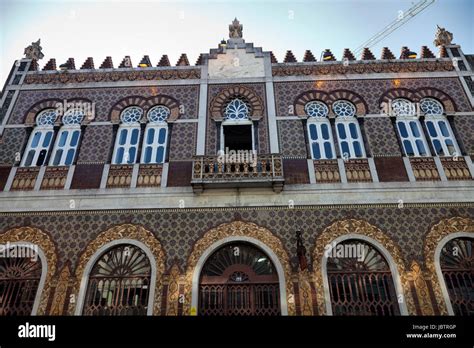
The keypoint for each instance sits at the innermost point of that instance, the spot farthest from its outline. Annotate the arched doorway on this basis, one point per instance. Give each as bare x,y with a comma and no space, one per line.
119,282
457,267
19,281
360,280
239,279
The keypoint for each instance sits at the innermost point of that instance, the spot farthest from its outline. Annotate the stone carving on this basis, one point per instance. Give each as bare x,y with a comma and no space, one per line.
235,29
43,241
244,229
442,37
353,226
60,292
437,233
33,51
128,231
416,276
173,291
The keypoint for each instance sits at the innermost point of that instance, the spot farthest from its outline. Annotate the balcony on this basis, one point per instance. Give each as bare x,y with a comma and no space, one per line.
216,172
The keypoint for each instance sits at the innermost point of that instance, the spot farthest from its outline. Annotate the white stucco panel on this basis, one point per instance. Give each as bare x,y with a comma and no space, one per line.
236,63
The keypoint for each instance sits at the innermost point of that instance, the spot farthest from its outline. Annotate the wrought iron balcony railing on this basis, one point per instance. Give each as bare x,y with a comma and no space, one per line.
216,171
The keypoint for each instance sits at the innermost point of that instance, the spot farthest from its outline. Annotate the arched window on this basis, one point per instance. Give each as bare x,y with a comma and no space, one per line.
409,128
239,279
360,280
439,129
156,135
236,109
457,266
67,140
237,129
19,281
119,283
128,135
348,130
319,131
40,139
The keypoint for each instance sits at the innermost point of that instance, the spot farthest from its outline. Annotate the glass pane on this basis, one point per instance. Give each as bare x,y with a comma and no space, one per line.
150,136
62,138
134,139
357,149
414,129
69,157
47,139
29,158
41,157
148,150
119,156
36,139
341,130
403,129
444,128
316,152
408,148
123,137
345,149
353,130
421,147
159,154
57,157
162,136
313,132
328,150
431,129
325,131
75,138
438,148
131,154
451,147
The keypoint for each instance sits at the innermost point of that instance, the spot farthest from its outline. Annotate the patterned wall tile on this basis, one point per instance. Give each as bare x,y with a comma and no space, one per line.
106,98
464,126
370,90
178,230
292,138
183,141
381,136
96,144
11,143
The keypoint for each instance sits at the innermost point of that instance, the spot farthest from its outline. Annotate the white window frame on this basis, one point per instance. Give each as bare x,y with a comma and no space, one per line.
411,137
67,146
43,130
126,146
346,121
435,119
154,145
236,122
318,122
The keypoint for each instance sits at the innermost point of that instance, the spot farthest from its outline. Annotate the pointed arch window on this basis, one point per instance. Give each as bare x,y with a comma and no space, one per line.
119,283
348,130
319,131
360,281
128,136
40,139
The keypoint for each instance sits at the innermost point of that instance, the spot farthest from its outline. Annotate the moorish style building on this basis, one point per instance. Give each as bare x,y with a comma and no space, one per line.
239,185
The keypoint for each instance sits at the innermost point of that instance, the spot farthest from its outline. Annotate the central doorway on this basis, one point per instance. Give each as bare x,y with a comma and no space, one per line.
239,279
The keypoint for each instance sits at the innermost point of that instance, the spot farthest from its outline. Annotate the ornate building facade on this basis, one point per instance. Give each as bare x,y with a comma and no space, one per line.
240,185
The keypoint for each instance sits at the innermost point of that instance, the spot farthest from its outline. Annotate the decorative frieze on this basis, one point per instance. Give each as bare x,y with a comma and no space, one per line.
54,178
149,175
424,169
326,171
112,76
362,68
25,179
357,170
455,168
120,176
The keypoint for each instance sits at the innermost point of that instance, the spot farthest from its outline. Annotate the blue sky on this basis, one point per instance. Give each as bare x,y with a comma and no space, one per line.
80,29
